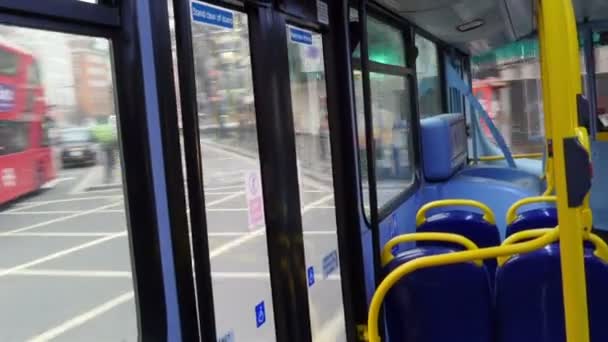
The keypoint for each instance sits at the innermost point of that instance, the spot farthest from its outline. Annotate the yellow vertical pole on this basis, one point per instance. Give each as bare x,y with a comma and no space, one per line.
562,77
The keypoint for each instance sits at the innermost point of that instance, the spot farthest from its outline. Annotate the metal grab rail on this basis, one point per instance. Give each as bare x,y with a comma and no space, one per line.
512,212
446,259
387,254
488,214
601,248
515,156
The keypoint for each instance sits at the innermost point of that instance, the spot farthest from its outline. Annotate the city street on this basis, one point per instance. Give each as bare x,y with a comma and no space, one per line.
65,272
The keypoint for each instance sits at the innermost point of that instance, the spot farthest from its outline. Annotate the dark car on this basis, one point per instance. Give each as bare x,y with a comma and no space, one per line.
78,147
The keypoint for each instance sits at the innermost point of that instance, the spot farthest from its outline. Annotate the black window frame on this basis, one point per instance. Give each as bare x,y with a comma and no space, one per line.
117,21
408,72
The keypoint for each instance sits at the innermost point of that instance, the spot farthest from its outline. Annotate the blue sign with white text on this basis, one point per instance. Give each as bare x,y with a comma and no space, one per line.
311,276
212,15
330,263
300,36
260,314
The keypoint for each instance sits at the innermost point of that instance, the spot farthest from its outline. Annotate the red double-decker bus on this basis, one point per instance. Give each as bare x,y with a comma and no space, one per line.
26,161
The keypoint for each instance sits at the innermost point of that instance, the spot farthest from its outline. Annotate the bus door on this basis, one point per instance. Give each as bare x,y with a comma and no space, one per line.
258,154
92,251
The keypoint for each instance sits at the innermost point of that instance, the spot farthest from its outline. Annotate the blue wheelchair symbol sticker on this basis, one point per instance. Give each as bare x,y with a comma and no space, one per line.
260,314
311,276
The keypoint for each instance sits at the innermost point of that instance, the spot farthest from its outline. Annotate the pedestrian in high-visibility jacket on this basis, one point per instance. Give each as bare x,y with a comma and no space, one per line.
105,135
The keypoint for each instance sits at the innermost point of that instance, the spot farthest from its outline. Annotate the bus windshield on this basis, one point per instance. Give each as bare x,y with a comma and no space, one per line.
8,63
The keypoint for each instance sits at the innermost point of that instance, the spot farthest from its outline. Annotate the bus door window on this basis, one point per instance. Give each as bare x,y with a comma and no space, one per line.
309,107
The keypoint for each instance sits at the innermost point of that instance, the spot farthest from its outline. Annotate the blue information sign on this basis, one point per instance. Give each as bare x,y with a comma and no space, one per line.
212,15
330,263
300,36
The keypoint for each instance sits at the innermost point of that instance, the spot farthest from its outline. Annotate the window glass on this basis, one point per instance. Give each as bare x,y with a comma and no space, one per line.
64,237
429,83
13,137
9,62
385,43
391,115
507,83
33,76
601,70
308,98
234,200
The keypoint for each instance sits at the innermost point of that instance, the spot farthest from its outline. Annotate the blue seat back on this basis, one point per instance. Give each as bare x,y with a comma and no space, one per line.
529,302
533,219
466,223
445,303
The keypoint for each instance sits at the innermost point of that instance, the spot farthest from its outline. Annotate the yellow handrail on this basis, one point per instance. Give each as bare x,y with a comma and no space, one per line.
488,215
387,254
515,156
558,39
445,259
601,248
512,212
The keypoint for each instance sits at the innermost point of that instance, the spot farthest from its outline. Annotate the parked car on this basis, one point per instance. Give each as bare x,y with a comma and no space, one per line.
78,147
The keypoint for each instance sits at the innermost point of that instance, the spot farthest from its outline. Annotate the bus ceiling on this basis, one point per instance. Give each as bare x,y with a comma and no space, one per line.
477,26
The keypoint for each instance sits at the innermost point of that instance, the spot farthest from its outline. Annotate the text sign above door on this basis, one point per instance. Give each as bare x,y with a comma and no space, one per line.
211,15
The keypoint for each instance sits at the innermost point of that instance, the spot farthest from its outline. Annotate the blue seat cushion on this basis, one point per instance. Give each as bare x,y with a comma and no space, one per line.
445,303
533,219
529,303
466,223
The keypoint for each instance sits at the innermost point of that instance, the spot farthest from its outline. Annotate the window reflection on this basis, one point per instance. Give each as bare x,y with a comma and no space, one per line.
391,111
429,83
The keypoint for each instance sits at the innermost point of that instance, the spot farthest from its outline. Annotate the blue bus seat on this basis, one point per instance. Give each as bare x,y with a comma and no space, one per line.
438,304
533,219
529,302
469,224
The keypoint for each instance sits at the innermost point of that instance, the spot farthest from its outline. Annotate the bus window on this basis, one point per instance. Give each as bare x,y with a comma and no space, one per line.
427,73
8,63
234,199
391,112
506,81
308,98
63,219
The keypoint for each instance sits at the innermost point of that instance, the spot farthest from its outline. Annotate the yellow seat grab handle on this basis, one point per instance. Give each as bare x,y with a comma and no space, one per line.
488,214
445,259
512,212
387,254
601,248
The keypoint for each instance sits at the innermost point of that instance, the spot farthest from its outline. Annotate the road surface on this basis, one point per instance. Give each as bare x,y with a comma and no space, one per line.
65,271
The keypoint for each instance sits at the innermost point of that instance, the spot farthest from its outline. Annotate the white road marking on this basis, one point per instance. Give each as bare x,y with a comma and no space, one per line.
60,254
86,180
58,212
306,232
72,273
227,209
83,318
54,182
62,234
249,236
220,188
33,204
225,199
59,219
